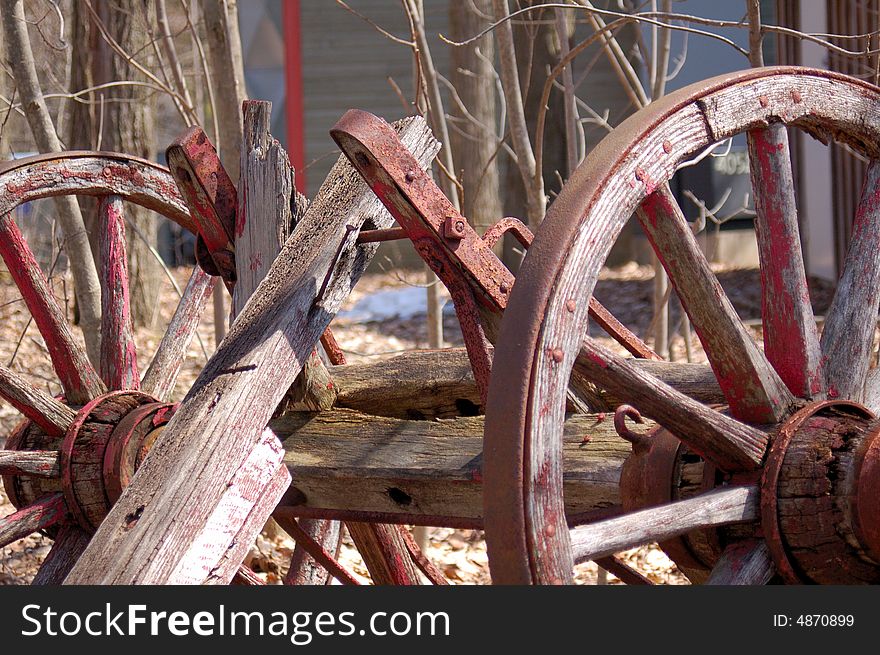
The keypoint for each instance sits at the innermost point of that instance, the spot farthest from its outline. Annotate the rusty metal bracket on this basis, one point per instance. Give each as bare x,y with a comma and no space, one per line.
428,217
420,207
212,200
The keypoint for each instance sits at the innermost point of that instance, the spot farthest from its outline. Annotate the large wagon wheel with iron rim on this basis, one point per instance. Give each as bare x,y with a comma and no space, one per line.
67,462
792,461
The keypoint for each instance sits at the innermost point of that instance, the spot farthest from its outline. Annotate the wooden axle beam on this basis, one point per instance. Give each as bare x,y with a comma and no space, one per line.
342,460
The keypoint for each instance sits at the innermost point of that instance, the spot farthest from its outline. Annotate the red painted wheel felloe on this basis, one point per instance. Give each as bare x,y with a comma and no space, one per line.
790,460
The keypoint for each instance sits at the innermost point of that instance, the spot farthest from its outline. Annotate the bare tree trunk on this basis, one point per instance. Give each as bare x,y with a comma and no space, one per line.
5,150
83,117
76,239
515,70
226,71
475,141
128,126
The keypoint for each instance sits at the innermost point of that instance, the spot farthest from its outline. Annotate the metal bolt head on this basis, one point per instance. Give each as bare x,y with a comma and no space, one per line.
453,228
409,176
503,287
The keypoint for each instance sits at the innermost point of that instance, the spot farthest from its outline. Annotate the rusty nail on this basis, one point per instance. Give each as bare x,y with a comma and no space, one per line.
550,530
640,174
667,146
796,95
503,287
409,176
570,305
557,355
764,101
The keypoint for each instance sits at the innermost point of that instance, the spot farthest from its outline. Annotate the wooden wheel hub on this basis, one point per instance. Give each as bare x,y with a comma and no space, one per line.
819,508
99,453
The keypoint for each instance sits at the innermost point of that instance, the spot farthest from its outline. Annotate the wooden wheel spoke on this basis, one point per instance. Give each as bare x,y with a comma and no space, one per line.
306,540
849,326
624,572
69,545
719,507
161,375
744,563
51,415
78,379
752,387
728,443
42,514
791,340
118,352
872,390
305,569
42,463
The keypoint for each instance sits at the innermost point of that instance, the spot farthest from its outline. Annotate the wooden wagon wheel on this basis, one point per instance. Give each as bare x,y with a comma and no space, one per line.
793,458
68,461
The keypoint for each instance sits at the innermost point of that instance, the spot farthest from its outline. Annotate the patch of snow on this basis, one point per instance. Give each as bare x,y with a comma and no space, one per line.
402,302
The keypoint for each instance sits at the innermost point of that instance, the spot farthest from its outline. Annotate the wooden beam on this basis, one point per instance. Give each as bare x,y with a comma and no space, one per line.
346,460
427,384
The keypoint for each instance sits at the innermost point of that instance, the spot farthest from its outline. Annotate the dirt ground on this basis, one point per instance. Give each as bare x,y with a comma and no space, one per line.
460,554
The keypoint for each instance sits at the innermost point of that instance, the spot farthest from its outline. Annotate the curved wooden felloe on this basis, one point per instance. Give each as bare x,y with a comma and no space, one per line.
543,335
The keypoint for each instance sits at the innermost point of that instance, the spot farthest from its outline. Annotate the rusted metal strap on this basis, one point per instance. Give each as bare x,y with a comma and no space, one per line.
443,234
212,200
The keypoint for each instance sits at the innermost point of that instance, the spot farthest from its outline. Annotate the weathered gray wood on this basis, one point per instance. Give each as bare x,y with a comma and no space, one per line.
791,340
848,334
42,514
743,563
263,220
753,389
727,442
872,390
161,376
379,544
180,486
69,544
304,570
344,459
718,507
51,415
212,565
426,384
42,463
